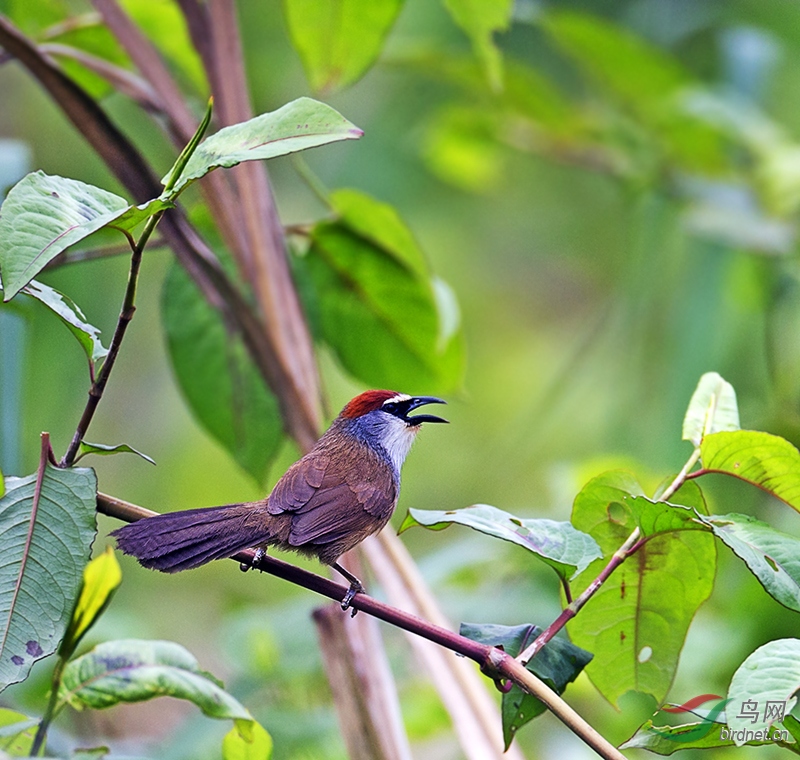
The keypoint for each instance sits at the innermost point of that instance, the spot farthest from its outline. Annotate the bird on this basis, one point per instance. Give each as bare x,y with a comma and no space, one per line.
342,491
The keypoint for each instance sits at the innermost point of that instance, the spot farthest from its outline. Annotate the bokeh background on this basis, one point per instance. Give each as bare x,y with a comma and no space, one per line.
617,221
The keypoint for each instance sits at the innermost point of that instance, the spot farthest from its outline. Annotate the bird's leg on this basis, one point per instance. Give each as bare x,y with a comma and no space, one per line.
356,587
255,562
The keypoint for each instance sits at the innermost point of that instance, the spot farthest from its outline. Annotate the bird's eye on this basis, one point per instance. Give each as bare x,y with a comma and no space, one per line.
390,408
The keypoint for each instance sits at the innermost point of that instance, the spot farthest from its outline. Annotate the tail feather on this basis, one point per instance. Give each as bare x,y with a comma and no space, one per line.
183,540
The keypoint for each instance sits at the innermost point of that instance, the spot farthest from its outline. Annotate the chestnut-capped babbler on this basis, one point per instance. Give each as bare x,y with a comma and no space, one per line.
328,502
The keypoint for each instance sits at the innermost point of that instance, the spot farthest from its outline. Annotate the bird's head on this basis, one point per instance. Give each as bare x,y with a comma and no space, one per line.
383,418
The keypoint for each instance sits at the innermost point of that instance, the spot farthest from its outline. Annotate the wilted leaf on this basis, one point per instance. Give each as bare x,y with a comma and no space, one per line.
712,409
558,544
303,123
224,390
338,40
773,557
71,315
558,663
43,553
44,215
765,460
637,622
101,578
132,670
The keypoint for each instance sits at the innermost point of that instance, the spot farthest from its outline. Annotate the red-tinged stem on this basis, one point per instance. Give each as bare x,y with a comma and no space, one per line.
493,662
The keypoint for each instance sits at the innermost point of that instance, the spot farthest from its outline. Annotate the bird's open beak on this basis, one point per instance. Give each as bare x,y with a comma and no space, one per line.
418,419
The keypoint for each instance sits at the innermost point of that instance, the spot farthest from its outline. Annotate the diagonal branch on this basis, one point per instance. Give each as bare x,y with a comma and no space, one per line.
494,663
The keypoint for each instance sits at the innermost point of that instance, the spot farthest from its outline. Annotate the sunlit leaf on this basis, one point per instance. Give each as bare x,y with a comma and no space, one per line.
770,675
767,461
132,670
558,663
101,578
558,544
338,40
303,123
481,19
44,215
223,388
44,554
370,303
71,315
773,557
712,409
16,733
637,622
256,746
104,450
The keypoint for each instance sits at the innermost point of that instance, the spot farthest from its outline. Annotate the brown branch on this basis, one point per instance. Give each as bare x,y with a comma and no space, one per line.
493,662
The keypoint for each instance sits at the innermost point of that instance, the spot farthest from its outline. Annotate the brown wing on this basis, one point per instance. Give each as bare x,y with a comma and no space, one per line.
299,483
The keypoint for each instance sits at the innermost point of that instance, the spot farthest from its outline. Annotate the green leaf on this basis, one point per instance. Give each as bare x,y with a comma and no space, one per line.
767,461
175,172
773,557
44,552
480,19
71,315
712,409
43,215
303,123
223,388
664,740
771,674
558,663
558,544
101,578
16,733
256,746
338,40
371,304
105,450
637,622
645,80
133,670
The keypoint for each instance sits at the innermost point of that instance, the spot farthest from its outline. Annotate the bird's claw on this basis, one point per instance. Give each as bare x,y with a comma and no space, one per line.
255,562
355,588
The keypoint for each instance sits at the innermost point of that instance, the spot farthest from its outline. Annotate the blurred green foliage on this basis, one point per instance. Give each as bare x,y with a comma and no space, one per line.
616,219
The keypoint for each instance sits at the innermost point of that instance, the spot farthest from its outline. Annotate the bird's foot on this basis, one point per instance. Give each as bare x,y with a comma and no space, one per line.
255,562
355,588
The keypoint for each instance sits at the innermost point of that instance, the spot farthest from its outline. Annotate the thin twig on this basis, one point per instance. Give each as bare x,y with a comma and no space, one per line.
493,662
125,317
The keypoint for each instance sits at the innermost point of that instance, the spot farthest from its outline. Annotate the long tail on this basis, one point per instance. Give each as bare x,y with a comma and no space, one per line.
182,540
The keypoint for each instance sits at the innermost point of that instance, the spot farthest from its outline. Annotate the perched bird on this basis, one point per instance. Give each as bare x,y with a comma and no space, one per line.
328,502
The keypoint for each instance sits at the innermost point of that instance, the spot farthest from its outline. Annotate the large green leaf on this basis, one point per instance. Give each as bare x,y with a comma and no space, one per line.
646,80
132,670
558,544
666,740
768,679
44,215
303,123
480,19
44,547
767,461
372,300
637,622
773,557
338,40
712,408
70,314
558,663
225,391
